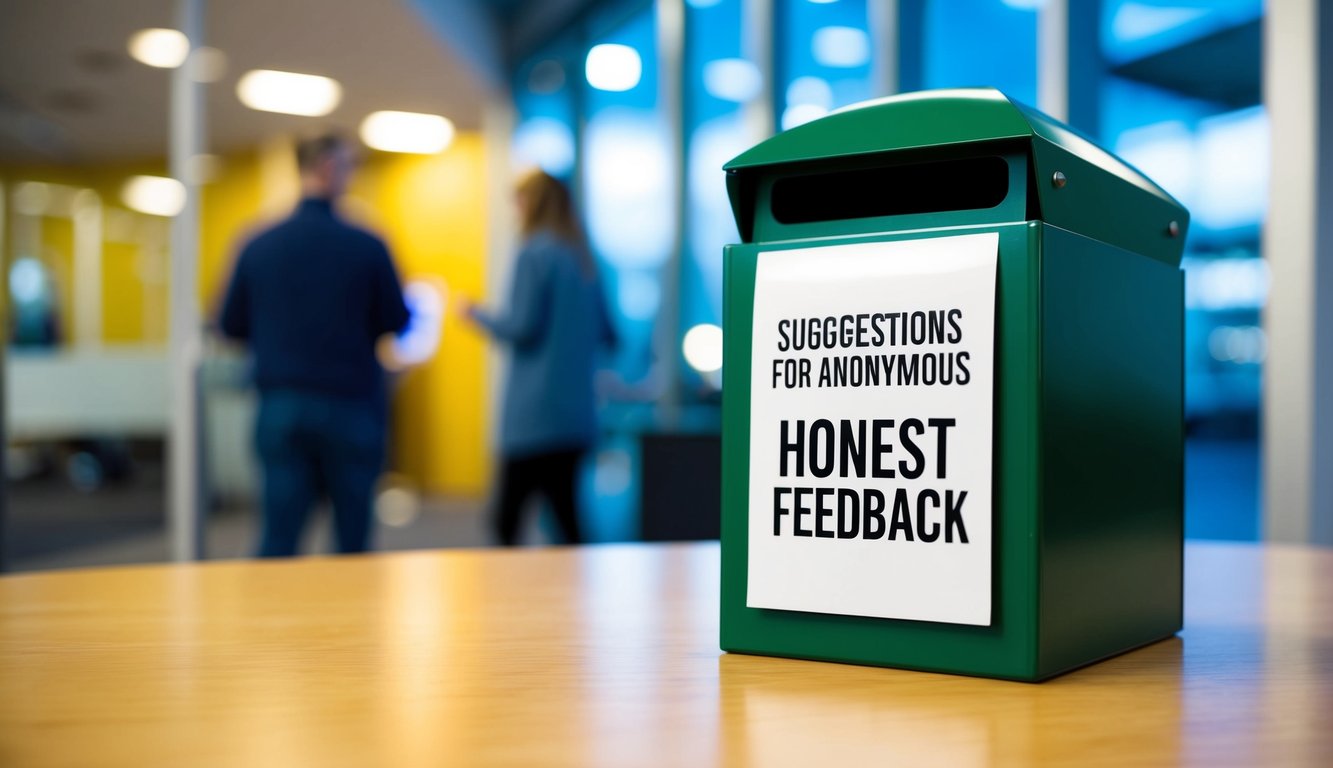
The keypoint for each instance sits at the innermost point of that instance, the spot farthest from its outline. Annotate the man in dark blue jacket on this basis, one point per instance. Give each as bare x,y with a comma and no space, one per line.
312,296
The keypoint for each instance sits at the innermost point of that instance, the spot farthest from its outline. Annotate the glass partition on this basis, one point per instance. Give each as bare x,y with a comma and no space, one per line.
823,56
544,104
722,87
982,43
1181,101
627,172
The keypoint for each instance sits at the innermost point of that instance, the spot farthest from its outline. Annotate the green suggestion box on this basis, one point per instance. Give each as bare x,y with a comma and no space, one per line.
1082,558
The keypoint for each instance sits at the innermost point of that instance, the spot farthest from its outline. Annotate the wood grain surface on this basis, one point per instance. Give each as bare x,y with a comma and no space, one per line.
607,656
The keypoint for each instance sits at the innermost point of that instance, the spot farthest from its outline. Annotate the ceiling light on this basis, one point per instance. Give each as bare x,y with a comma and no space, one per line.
547,143
800,114
154,195
733,79
703,348
28,282
411,132
841,46
613,67
290,93
810,90
162,48
32,198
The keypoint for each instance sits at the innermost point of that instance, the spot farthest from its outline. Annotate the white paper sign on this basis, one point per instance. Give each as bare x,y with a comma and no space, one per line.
870,429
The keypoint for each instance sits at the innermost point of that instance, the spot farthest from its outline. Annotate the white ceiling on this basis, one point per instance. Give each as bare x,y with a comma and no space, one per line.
69,92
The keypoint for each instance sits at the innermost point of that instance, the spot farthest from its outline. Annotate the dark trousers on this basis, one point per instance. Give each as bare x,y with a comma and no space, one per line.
550,474
312,446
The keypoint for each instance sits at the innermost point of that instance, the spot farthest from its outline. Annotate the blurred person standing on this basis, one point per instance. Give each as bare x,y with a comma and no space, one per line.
311,297
556,320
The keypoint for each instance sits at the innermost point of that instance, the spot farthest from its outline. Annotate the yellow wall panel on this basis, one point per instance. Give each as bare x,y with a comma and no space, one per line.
431,212
253,189
123,293
128,303
58,255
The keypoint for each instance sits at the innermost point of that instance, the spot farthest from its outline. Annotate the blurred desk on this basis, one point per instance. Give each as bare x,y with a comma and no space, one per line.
608,656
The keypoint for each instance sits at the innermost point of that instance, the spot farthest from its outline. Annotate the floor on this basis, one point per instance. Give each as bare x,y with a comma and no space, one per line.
51,525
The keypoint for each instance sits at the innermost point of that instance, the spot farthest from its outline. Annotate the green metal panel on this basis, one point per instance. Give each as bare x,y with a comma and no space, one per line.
1006,649
1088,451
905,121
1104,197
1112,431
1095,203
1069,141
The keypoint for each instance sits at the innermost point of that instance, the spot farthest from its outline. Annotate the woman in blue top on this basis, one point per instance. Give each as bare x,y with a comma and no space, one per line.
556,320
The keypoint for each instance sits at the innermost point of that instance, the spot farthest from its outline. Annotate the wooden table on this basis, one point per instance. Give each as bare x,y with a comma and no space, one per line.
608,656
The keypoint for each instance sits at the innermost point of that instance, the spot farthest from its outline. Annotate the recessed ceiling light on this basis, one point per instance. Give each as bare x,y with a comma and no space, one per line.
290,93
153,195
841,46
613,67
412,132
735,80
810,90
800,114
703,348
162,48
546,143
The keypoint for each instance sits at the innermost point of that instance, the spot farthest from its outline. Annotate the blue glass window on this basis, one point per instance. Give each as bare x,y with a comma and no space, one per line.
1133,29
627,176
719,83
824,56
544,102
1181,102
992,43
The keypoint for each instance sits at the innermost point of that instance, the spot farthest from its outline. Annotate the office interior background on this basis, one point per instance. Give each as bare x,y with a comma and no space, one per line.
130,172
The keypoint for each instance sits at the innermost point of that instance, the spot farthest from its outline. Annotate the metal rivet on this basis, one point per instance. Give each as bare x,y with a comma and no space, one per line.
1059,180
1173,229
